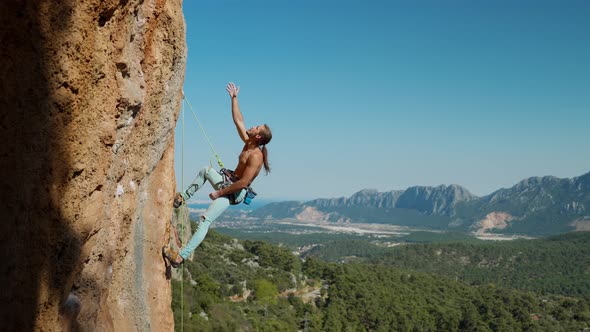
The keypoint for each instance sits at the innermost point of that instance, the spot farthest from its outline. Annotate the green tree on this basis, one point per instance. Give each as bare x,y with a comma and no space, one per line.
265,291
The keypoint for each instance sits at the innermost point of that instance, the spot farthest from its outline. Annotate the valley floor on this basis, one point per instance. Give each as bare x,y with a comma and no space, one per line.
292,226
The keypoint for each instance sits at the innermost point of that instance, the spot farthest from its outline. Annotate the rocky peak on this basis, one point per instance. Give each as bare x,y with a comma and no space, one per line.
460,193
537,181
434,200
430,200
582,182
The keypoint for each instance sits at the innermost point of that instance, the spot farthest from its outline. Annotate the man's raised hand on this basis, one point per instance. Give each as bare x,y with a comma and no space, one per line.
232,90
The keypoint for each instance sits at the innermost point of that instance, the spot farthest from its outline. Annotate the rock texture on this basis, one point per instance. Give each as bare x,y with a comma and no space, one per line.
494,220
89,92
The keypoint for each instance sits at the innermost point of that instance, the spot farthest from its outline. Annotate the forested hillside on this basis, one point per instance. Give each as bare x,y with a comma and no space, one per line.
381,298
234,285
554,265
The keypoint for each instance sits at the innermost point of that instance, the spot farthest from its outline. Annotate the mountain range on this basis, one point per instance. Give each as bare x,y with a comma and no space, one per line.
534,206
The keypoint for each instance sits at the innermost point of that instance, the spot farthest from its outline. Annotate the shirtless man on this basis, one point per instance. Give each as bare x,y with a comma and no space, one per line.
230,187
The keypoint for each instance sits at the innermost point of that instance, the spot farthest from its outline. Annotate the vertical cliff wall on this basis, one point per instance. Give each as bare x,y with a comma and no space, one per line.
89,96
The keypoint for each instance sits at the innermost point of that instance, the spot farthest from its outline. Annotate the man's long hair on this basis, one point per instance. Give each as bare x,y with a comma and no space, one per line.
265,137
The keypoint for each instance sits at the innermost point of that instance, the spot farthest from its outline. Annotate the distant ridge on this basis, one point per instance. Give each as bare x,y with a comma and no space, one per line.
534,206
431,200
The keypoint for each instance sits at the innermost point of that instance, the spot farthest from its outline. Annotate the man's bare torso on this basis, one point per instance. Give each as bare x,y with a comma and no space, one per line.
245,155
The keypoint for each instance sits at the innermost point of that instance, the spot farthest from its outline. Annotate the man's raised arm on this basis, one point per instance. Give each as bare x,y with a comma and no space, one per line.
235,111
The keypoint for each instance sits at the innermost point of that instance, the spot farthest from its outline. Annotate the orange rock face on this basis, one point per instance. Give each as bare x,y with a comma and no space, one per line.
90,92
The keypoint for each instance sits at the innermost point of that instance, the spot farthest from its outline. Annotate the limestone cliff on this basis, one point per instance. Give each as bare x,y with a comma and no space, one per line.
90,92
438,200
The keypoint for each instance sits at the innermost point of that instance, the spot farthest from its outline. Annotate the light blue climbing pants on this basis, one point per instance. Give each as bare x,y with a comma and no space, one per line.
217,207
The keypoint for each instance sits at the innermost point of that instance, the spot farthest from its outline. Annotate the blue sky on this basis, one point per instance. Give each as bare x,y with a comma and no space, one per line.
390,94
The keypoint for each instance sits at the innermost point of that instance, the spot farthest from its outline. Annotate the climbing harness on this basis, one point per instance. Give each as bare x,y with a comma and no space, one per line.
230,177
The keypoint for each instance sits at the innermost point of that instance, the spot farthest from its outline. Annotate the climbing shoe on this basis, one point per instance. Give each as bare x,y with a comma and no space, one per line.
172,256
178,201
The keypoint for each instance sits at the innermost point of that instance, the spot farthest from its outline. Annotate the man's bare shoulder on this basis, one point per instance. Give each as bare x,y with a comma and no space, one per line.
255,157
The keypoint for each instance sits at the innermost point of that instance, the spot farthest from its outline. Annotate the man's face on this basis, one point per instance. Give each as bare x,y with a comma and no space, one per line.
254,131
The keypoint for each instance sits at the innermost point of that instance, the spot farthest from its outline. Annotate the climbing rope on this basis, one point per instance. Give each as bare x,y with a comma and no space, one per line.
182,216
219,162
183,220
182,225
